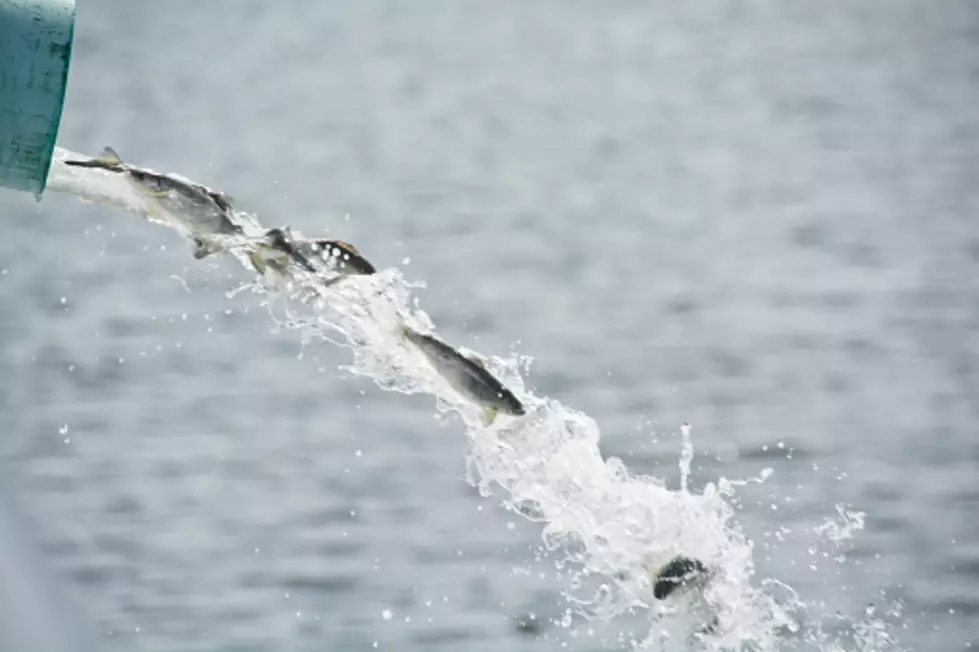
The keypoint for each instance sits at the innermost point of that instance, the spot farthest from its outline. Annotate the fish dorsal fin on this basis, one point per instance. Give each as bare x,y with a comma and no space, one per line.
109,156
477,361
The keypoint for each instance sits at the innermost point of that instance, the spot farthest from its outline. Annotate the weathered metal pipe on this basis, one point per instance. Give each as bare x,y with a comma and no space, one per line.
35,50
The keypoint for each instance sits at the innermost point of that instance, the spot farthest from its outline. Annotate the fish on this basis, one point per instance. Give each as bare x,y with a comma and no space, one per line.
343,257
200,211
279,247
679,572
466,375
687,573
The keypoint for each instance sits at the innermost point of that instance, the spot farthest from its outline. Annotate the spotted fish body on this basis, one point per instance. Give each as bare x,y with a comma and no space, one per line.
340,256
200,211
467,376
279,250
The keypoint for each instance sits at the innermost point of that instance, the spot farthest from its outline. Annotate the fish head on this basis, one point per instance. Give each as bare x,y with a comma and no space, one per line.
509,403
514,407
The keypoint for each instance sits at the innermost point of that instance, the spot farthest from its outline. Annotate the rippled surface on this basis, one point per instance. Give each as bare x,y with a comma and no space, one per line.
755,219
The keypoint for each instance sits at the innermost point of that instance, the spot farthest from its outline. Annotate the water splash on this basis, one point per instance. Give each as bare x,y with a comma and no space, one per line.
838,532
686,457
610,526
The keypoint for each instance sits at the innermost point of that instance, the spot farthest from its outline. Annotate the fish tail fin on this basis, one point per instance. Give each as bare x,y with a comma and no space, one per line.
106,160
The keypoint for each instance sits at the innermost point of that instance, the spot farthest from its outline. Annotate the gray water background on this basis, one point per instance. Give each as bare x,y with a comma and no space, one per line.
755,216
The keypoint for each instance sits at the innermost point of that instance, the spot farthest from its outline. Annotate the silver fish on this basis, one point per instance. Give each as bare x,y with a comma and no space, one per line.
200,211
468,376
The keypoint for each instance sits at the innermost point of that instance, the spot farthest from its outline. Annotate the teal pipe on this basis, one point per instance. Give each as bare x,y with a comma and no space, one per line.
35,49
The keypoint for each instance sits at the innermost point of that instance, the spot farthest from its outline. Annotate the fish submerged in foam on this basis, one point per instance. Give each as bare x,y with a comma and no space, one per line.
680,572
467,376
197,209
683,575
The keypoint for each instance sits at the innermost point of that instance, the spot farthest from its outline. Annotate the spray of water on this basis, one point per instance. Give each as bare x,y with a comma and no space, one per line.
609,526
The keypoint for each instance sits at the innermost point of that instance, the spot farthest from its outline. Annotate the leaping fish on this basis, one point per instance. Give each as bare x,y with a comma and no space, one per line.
467,376
195,208
279,248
